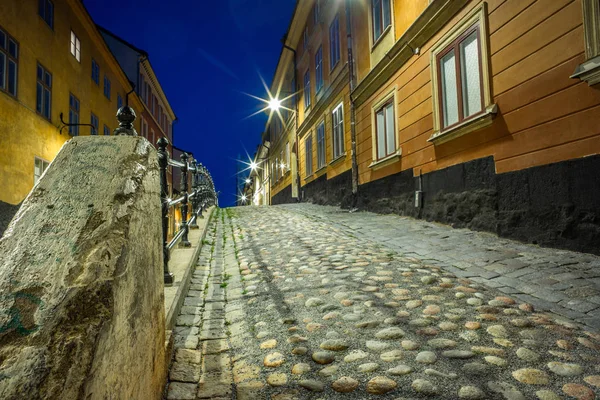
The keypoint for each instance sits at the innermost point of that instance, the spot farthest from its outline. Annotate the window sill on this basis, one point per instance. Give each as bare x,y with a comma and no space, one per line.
381,37
588,71
338,159
473,124
384,162
318,171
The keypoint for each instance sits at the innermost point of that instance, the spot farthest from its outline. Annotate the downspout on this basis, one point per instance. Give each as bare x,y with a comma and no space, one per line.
352,108
297,146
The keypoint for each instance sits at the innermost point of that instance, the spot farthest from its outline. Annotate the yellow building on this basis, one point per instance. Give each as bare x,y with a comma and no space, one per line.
54,67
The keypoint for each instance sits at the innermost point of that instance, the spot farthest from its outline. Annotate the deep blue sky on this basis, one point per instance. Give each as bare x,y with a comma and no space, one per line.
205,54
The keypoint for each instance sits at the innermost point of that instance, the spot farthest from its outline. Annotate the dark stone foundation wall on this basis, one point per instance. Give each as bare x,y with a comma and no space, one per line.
555,205
7,211
336,191
283,197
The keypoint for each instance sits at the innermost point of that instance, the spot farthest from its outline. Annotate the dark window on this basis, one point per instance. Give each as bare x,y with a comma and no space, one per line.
334,42
106,87
319,69
73,115
9,63
385,130
46,11
305,37
95,72
94,122
44,92
382,17
106,131
119,102
317,13
321,153
308,155
307,90
460,87
40,166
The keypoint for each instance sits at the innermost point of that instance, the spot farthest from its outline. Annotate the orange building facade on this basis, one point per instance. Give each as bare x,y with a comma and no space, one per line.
479,114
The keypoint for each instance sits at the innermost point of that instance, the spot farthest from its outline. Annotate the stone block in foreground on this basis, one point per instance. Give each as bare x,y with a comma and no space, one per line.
81,293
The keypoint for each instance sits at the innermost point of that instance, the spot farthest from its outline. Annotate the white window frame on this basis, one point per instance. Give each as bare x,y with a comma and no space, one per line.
321,145
319,69
307,89
443,134
44,164
337,131
389,97
308,155
589,70
75,46
287,156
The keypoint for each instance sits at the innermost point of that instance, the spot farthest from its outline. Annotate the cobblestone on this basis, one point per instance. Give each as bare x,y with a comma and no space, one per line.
297,303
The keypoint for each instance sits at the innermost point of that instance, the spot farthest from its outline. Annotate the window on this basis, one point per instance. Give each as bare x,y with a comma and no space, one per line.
308,155
385,129
73,115
319,69
321,153
94,122
144,128
44,92
95,72
381,17
316,13
305,38
306,89
39,167
288,162
9,57
106,87
46,11
589,70
119,102
106,131
282,166
337,122
461,94
75,46
459,69
334,42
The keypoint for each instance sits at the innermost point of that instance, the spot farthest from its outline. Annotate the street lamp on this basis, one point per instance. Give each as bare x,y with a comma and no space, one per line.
275,104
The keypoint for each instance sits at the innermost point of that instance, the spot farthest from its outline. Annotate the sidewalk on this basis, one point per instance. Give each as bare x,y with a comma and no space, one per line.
564,282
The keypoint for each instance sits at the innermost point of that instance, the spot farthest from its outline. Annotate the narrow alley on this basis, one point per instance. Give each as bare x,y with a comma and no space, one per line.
296,302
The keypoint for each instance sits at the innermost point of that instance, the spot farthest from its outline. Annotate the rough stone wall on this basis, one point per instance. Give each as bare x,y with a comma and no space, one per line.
7,212
284,196
81,294
556,205
336,191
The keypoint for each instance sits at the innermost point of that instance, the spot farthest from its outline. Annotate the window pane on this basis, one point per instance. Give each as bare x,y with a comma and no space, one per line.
38,101
449,91
471,84
12,78
380,134
38,167
376,19
387,10
50,13
48,79
2,70
389,129
13,49
47,103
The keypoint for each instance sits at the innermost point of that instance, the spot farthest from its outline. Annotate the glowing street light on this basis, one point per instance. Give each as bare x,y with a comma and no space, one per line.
247,180
274,104
243,198
253,166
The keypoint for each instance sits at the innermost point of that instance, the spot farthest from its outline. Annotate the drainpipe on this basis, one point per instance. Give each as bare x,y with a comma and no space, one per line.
283,41
352,108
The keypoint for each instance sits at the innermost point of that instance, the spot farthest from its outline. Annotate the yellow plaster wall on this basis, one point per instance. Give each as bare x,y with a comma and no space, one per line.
23,133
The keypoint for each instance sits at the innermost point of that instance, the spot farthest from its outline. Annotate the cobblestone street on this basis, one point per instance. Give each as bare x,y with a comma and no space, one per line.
309,302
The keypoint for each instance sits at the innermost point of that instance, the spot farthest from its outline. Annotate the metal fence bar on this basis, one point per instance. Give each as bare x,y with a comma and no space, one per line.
184,204
163,161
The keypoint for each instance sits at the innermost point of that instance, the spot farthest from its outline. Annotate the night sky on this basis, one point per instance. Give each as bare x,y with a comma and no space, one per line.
206,54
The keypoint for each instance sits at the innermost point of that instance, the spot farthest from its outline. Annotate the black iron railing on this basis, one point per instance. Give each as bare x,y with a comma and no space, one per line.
202,195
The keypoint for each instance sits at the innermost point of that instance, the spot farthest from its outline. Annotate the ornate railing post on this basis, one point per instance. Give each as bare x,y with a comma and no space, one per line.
163,161
195,191
184,204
